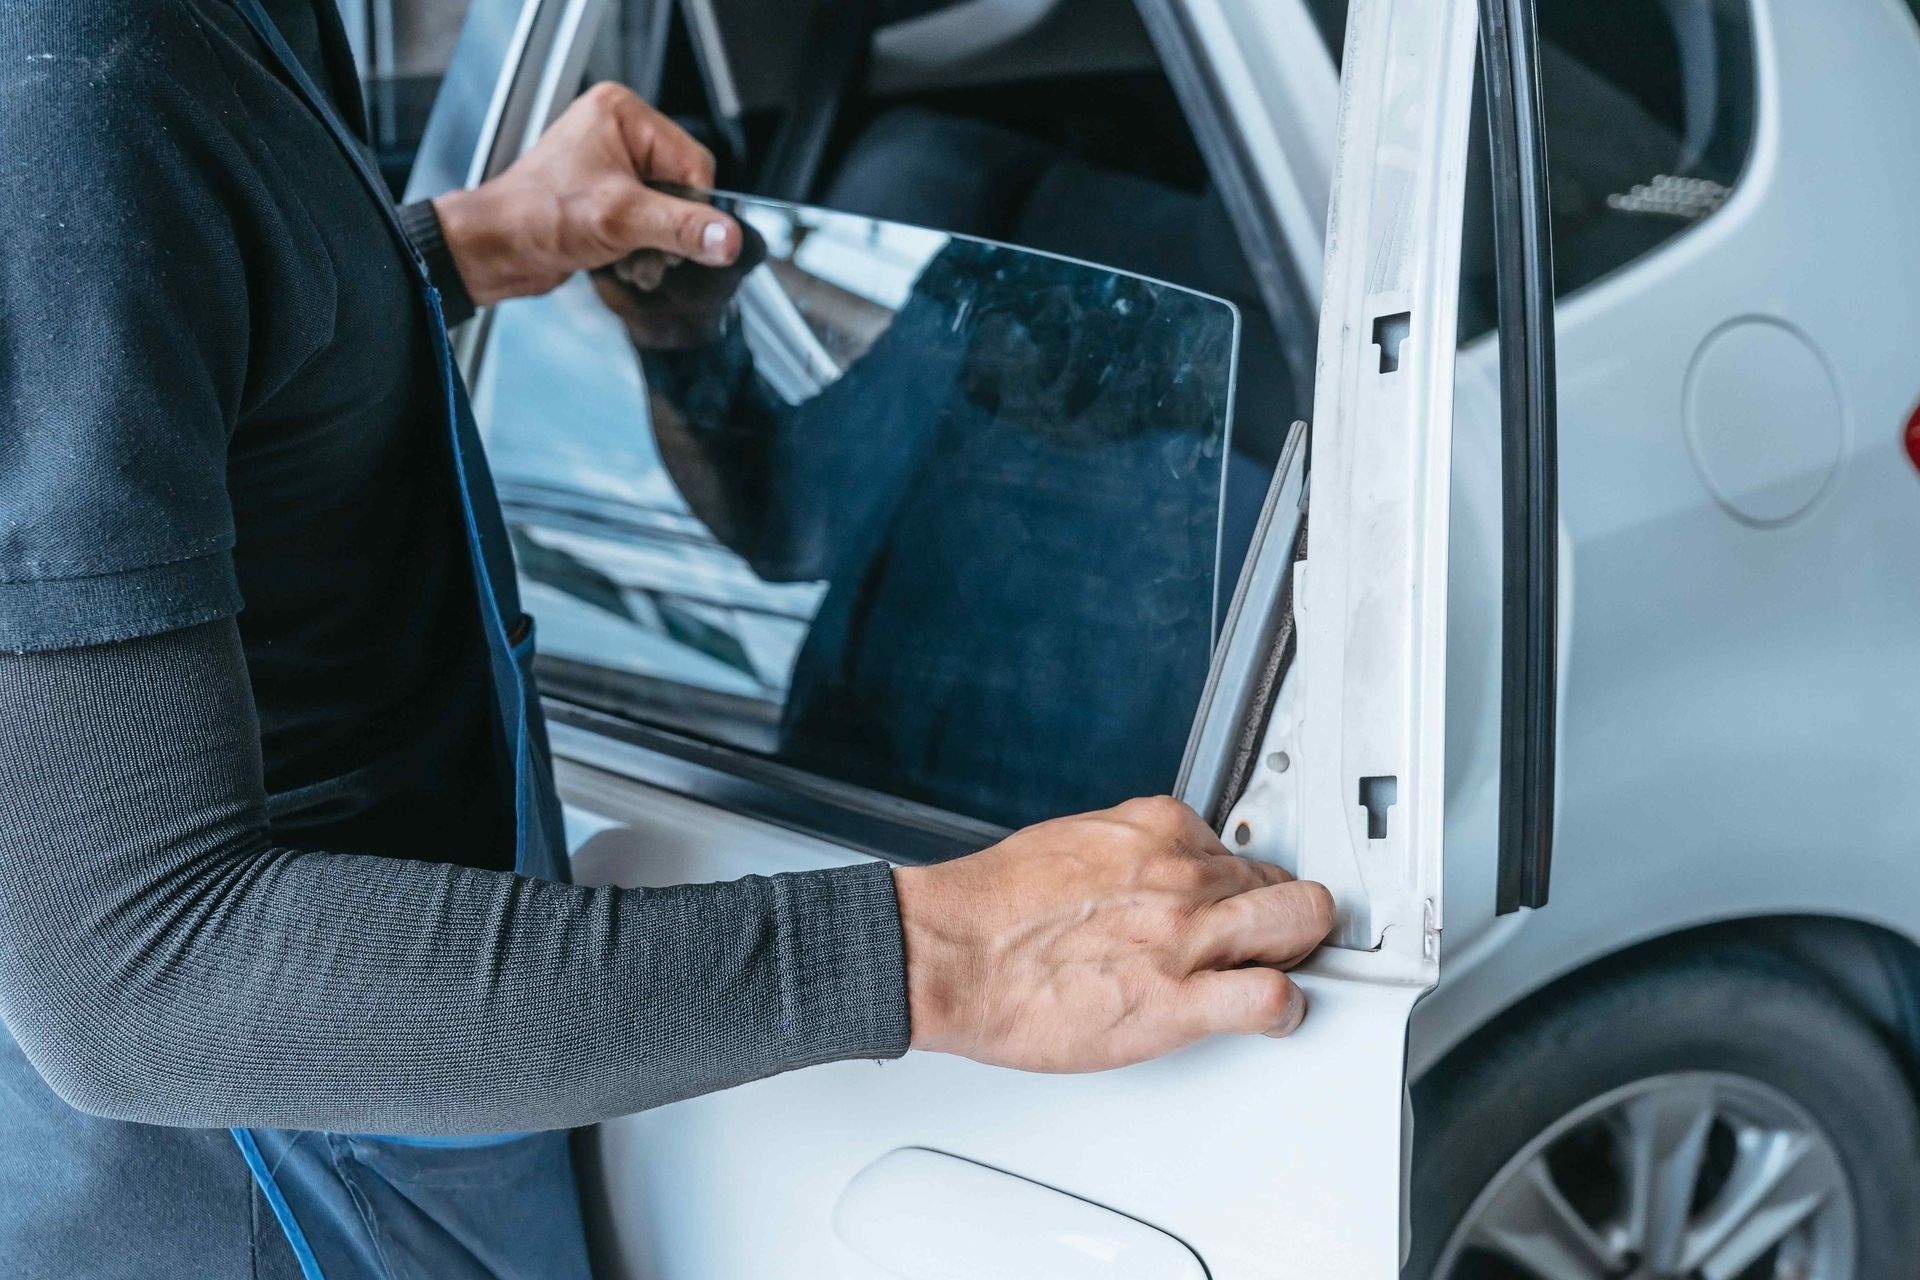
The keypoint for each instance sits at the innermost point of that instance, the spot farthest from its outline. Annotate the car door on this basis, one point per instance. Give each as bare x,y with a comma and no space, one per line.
1314,737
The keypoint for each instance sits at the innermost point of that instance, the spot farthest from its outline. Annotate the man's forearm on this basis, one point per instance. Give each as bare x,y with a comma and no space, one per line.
160,961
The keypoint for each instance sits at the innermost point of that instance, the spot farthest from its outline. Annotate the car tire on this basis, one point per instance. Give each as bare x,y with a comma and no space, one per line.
1737,1012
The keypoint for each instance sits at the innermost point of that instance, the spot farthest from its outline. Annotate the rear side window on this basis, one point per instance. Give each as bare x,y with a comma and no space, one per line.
1649,110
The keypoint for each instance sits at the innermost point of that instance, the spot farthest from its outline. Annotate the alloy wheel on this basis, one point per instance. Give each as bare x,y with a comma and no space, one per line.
1684,1176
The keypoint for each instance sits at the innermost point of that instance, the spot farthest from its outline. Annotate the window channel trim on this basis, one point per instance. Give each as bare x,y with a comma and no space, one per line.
1523,250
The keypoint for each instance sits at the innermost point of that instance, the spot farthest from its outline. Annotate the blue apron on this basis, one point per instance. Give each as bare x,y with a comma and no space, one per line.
447,1208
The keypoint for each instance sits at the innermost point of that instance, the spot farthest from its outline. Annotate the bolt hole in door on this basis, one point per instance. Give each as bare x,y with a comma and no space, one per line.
1377,795
1388,333
1243,834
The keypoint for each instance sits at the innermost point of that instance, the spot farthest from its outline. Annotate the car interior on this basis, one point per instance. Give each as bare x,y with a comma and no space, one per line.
1051,125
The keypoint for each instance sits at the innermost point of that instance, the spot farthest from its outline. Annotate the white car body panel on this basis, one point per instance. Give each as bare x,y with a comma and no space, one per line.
1254,1153
923,1216
1739,703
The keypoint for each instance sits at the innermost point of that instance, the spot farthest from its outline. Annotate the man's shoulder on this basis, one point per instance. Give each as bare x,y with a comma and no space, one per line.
104,101
101,57
102,34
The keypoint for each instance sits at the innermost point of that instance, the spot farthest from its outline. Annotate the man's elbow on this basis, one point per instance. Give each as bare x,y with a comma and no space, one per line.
110,1071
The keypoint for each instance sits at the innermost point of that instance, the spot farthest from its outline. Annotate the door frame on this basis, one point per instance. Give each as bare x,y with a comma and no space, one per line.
1529,432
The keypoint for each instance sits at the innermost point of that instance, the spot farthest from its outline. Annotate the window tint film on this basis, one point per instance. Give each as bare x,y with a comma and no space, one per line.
919,512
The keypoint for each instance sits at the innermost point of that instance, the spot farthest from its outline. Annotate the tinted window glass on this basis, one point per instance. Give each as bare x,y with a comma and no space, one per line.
909,510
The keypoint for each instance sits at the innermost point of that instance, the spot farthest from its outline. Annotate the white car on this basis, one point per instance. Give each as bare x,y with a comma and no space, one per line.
1689,1053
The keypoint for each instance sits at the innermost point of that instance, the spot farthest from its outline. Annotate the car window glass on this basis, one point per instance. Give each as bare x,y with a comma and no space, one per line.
1649,113
914,511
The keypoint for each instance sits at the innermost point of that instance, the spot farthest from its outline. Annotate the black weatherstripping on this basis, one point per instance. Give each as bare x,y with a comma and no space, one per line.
1523,251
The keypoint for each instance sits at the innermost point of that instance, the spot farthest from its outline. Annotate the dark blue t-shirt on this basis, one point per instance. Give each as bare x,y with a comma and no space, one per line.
219,398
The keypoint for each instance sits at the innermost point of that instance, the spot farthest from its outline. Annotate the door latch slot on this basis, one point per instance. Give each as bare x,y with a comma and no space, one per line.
1388,333
1377,795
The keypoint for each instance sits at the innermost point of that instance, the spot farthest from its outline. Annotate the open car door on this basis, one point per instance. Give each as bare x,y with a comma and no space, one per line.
747,684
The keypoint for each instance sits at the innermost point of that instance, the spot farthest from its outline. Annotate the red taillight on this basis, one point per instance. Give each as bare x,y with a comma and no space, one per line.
1913,437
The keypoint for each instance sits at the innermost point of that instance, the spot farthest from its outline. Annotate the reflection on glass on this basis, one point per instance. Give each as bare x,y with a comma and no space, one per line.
931,515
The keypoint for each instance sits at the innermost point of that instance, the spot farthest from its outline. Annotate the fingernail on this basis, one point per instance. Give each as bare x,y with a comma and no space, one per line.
1296,1013
712,236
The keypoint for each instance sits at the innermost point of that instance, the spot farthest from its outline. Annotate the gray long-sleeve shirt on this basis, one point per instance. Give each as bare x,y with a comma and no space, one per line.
229,565
163,960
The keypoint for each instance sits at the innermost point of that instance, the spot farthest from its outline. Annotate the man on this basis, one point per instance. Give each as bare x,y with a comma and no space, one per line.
278,850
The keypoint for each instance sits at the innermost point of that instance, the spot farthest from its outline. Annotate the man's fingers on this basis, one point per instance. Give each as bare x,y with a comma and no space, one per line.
1233,874
662,151
1275,925
644,269
1245,1002
642,218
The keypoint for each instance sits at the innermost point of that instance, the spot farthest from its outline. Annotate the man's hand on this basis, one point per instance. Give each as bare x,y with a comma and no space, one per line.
1101,940
674,305
578,200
